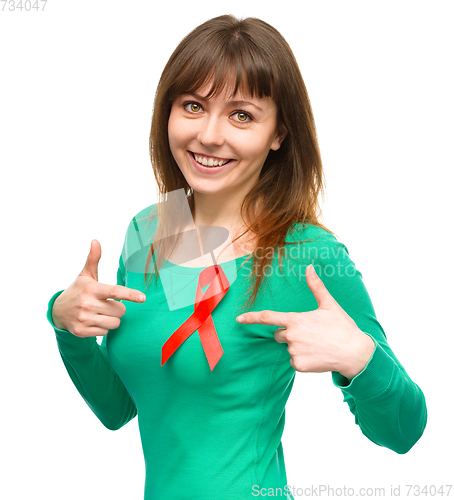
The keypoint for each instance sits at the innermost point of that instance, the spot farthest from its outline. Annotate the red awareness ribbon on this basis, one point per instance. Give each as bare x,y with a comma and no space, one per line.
201,319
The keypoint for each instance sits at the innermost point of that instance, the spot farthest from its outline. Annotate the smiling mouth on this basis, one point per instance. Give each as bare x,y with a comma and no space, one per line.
210,161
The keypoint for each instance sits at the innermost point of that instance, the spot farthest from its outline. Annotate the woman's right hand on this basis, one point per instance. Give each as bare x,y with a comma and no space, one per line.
84,309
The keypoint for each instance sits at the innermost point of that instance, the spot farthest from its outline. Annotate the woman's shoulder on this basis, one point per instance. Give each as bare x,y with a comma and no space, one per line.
149,212
139,234
142,226
314,243
144,220
305,232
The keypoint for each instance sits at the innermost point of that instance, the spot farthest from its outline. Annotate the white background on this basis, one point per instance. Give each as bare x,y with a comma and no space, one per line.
77,88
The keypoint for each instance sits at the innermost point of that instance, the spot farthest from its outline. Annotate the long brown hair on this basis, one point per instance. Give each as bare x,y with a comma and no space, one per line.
263,65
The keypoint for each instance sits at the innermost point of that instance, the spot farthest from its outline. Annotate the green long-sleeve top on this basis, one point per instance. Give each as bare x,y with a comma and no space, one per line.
216,434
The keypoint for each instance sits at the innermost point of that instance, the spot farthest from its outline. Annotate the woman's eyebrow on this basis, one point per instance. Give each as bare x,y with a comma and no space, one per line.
242,103
230,103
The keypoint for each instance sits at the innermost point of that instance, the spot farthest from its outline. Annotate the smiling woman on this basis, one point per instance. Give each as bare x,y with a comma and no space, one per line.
234,148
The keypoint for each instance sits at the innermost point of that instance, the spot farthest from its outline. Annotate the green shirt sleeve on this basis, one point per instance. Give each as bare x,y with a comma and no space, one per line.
388,406
91,372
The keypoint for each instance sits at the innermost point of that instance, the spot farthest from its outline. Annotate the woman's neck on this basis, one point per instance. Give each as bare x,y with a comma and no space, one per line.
225,212
210,211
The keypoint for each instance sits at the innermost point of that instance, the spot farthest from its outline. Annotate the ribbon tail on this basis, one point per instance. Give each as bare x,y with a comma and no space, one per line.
179,336
210,342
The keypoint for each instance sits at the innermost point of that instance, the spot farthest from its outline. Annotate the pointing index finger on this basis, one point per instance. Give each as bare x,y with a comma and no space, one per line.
266,317
119,292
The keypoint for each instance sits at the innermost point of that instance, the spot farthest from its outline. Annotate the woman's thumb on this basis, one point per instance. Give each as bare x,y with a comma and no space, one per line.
91,266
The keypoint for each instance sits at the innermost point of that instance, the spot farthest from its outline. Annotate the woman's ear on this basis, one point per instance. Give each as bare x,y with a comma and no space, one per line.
280,136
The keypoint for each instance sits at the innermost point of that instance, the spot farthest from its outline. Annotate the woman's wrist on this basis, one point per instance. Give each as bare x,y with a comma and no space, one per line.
55,319
361,355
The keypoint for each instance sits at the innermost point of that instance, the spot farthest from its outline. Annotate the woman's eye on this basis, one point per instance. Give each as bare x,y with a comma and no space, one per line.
242,116
193,107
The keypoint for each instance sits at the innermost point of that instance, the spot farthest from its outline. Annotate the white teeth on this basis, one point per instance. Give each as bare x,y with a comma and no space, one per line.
209,163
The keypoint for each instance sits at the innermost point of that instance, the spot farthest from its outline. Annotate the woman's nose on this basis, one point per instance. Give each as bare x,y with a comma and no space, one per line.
211,132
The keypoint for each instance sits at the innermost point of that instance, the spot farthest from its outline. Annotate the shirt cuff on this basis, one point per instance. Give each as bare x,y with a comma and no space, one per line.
69,344
373,380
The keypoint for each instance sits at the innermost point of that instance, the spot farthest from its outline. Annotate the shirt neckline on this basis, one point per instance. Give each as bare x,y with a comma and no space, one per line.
175,268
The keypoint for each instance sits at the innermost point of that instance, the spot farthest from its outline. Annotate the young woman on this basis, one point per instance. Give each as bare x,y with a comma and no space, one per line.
235,155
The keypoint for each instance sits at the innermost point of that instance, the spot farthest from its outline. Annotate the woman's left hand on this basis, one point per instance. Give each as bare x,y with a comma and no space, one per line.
323,340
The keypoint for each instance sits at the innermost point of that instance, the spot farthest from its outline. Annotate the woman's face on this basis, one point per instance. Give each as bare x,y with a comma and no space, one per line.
221,143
